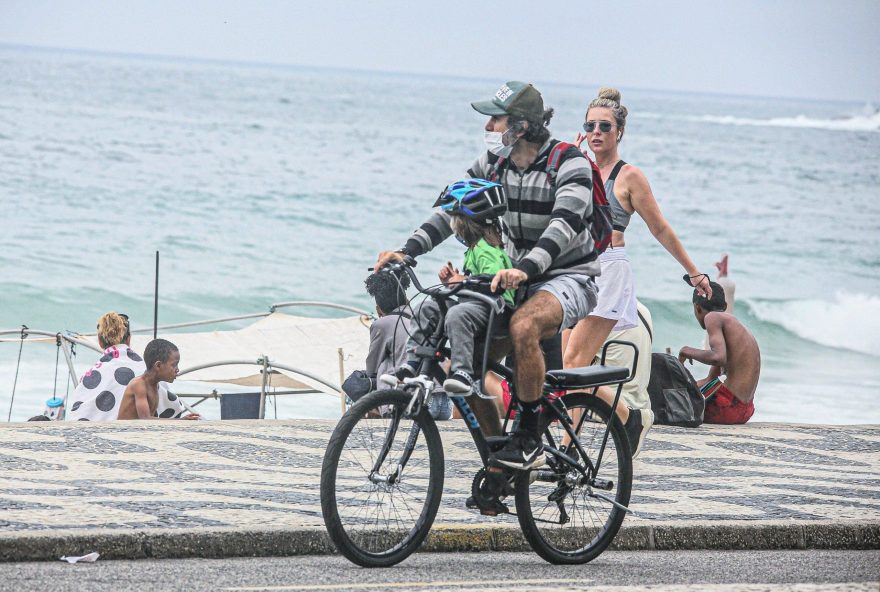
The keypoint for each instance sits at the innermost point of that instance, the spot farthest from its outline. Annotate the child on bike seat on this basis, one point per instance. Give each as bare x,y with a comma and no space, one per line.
475,206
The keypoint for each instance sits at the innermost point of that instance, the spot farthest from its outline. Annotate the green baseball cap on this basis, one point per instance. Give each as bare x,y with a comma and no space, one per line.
516,98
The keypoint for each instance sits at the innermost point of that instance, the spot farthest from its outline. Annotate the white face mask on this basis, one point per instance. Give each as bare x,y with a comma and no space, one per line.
495,144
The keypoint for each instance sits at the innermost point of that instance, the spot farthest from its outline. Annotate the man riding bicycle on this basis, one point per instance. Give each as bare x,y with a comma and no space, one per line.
547,238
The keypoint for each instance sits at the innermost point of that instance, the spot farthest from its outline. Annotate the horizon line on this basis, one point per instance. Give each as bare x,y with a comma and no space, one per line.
258,63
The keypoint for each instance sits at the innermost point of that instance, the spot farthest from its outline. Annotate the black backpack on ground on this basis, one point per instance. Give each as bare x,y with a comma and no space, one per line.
675,398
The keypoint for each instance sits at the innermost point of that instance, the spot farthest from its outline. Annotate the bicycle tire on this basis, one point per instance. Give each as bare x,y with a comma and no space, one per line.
377,524
594,522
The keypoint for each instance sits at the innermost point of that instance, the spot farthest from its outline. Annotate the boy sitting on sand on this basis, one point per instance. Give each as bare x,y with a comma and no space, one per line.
141,397
732,351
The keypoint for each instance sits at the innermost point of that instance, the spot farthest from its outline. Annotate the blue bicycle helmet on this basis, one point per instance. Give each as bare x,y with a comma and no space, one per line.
480,200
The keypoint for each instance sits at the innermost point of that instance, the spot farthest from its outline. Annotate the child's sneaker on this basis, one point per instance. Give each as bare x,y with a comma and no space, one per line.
405,370
459,383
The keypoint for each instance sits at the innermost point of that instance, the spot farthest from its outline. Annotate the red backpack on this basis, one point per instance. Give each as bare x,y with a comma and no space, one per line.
600,219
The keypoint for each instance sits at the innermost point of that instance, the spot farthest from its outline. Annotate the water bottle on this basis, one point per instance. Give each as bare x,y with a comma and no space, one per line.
54,409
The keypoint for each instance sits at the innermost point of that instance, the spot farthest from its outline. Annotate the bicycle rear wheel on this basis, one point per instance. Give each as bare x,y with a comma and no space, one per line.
561,520
373,518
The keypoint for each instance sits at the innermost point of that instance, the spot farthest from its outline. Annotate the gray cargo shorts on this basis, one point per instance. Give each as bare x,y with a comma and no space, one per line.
576,293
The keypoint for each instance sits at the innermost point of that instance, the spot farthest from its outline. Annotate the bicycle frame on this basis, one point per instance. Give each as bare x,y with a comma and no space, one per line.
429,368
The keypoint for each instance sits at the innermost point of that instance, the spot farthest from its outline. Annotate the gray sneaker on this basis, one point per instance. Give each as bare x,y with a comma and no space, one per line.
460,384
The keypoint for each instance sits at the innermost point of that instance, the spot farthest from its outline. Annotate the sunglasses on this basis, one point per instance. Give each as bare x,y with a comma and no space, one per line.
604,126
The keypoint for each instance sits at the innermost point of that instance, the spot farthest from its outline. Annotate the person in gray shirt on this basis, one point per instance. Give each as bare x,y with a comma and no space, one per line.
389,334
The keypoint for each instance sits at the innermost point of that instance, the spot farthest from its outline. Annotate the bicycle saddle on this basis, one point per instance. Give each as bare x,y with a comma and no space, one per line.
583,377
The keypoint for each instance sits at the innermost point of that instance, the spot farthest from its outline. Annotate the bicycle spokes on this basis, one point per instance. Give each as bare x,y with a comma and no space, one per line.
571,509
381,480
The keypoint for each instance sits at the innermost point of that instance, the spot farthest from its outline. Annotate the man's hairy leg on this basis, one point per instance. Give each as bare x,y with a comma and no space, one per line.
538,318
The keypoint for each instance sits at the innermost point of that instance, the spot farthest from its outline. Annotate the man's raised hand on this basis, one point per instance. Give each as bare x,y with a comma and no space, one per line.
386,257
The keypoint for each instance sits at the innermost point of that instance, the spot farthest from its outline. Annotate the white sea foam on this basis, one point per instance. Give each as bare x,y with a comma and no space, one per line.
850,321
854,123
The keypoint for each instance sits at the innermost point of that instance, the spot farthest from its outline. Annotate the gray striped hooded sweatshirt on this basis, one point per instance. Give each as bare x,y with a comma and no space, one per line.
546,228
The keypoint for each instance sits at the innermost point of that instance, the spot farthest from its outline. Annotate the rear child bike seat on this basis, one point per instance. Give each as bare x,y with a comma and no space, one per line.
583,377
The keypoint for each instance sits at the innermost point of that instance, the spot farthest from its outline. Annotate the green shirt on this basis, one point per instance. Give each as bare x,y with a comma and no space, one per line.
483,258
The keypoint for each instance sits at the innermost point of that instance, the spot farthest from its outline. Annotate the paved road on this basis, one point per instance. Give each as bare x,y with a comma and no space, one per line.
752,571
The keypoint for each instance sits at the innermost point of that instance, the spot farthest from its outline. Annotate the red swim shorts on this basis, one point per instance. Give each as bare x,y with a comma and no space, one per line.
725,408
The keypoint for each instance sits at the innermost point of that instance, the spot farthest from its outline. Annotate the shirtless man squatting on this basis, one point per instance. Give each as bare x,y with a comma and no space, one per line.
733,351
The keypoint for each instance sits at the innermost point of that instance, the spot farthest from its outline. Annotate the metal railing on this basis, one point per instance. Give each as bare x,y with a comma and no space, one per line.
67,339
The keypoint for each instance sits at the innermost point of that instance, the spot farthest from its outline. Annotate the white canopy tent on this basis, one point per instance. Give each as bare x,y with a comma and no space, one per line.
304,343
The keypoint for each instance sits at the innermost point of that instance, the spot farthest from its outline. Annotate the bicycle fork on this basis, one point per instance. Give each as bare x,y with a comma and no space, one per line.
415,405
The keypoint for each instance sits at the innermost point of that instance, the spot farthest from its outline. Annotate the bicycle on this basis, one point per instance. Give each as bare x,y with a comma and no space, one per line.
383,470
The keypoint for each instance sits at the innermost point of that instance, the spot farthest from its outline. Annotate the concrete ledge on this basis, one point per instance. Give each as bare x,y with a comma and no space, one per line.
218,543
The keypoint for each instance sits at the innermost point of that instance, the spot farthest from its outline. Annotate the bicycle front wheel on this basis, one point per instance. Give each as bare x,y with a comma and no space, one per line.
381,479
565,517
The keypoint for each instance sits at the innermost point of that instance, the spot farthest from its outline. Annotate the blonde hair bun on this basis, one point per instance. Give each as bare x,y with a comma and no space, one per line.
609,98
612,94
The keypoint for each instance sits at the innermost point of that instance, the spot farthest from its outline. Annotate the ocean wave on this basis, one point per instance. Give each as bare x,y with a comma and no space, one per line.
850,321
853,123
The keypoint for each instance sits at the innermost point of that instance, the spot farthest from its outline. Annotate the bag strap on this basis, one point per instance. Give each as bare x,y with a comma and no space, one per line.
495,164
620,164
555,155
647,326
553,160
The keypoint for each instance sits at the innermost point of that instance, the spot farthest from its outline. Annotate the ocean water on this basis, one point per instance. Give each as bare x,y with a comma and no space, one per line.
263,184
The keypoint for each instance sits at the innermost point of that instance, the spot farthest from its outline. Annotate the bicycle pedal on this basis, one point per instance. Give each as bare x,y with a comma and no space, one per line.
491,507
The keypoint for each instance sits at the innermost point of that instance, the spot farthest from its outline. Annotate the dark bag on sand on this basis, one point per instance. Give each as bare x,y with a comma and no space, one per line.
357,385
675,398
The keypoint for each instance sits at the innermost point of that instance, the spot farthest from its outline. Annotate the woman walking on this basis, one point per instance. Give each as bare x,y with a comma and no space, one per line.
628,193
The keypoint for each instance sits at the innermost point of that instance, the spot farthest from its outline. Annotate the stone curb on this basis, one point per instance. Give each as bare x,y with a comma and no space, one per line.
218,543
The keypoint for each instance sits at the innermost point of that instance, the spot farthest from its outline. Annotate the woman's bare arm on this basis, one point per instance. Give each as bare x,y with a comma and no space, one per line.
642,200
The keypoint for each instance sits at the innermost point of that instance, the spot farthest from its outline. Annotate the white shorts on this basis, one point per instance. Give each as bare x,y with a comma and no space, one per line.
617,290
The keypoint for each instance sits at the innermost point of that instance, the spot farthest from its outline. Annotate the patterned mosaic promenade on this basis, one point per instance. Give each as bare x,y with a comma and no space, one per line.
251,476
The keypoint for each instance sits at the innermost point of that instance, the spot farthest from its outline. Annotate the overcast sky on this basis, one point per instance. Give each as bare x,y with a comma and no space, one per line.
791,48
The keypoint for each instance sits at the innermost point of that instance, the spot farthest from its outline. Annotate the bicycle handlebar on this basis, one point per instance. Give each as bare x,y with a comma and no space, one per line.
497,303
